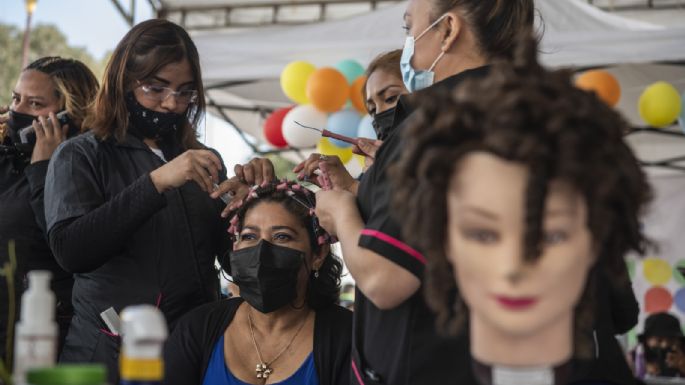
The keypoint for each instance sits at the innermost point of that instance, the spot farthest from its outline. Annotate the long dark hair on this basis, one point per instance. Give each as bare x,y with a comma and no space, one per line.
526,114
323,290
146,49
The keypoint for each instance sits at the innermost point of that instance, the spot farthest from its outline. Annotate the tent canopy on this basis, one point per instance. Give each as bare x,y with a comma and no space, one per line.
241,69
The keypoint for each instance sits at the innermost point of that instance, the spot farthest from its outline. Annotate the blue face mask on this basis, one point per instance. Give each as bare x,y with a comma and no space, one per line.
416,80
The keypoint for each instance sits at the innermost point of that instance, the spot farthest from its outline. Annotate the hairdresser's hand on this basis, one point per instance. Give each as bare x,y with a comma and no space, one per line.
49,135
367,148
201,166
332,207
332,166
236,189
257,171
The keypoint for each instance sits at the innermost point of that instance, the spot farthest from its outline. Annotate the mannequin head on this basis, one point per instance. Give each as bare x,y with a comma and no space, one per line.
517,187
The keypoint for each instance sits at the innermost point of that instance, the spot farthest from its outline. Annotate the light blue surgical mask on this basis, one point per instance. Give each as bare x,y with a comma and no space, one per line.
416,80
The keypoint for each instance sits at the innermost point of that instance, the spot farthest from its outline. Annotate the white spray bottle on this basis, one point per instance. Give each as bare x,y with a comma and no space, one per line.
35,345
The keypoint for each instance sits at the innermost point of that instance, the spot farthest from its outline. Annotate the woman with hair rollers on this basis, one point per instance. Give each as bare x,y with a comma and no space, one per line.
45,88
130,213
525,198
285,328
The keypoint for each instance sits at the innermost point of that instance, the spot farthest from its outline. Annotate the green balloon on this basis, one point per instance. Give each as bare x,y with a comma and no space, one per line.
351,69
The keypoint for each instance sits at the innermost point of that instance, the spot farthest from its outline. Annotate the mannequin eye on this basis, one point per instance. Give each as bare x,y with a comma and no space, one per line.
482,236
555,237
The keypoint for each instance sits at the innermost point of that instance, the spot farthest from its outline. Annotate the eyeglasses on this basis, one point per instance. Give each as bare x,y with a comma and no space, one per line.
160,94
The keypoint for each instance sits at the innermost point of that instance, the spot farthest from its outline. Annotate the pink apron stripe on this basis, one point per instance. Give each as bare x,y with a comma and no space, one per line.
356,373
396,243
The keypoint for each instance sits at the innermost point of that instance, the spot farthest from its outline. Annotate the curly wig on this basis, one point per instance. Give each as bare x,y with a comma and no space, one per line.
535,117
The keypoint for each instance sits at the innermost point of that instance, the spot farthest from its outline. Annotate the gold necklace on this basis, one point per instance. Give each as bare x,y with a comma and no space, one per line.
263,369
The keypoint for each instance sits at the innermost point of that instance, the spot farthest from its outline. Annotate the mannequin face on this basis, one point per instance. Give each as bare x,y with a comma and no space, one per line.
486,229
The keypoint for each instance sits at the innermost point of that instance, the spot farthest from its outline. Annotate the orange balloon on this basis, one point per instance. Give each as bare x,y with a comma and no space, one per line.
357,96
327,89
602,83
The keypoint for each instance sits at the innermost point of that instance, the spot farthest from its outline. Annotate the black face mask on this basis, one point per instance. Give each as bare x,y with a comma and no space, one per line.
151,124
266,275
658,356
16,122
382,123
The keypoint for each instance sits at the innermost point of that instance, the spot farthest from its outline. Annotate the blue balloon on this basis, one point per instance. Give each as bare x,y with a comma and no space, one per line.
365,129
351,69
343,122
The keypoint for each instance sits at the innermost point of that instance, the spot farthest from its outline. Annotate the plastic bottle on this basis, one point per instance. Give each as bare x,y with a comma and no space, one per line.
35,345
144,332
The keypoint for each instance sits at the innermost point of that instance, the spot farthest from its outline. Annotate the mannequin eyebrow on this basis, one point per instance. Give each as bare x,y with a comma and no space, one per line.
481,212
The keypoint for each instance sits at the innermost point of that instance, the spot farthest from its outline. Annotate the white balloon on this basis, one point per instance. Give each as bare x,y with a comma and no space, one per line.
300,137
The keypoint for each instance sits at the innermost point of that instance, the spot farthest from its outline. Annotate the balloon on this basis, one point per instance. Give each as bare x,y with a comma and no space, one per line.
659,104
351,69
273,127
602,83
357,94
345,123
294,81
327,89
300,137
365,129
325,147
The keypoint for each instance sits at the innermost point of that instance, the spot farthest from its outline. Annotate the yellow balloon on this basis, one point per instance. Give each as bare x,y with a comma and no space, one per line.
294,81
659,104
325,147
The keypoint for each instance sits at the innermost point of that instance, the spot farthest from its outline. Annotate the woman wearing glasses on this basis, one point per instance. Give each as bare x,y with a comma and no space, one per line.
129,211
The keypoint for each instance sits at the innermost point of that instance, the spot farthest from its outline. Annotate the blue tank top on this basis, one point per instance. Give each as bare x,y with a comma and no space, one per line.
218,374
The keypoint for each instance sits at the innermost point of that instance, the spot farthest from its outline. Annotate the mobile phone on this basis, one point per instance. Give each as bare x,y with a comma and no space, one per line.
27,135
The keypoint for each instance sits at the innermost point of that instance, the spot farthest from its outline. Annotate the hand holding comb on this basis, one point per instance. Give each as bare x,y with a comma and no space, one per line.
328,134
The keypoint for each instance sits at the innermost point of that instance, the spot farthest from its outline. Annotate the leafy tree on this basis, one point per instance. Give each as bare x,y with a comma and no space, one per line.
46,40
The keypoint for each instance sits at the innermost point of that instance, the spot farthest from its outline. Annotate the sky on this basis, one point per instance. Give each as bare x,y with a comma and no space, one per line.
98,26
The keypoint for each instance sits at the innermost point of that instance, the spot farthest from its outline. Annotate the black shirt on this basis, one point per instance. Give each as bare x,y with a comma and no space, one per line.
400,345
189,348
126,243
22,219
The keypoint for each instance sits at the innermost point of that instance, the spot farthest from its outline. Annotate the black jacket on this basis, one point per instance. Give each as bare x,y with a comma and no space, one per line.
22,219
190,347
126,243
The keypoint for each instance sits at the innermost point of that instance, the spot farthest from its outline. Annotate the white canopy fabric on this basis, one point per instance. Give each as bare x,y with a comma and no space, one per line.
575,34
